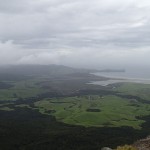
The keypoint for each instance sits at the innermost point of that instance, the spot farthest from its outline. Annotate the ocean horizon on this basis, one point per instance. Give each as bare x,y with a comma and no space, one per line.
140,73
133,76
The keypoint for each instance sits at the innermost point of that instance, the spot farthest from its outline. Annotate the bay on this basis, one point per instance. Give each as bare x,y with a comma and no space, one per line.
141,76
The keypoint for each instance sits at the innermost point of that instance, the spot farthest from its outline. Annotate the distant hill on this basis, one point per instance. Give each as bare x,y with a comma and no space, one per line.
38,70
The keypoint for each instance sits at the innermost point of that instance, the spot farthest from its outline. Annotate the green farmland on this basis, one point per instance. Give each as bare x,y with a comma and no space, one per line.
95,110
21,89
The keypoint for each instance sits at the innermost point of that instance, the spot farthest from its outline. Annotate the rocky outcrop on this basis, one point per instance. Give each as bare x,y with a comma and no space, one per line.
143,144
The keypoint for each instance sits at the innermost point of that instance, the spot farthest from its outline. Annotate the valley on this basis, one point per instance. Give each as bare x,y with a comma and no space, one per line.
36,110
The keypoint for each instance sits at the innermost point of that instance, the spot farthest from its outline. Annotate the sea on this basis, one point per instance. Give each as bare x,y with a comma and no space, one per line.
140,75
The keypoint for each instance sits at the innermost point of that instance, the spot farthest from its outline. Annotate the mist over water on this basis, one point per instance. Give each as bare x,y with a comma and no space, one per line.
140,75
135,73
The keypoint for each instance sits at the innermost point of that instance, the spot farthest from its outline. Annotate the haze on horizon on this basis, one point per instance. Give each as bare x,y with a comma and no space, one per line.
81,33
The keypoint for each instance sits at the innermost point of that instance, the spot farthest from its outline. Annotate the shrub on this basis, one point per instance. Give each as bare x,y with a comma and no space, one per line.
126,147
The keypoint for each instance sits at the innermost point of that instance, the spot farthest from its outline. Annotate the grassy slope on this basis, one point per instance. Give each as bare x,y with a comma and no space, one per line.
114,111
141,90
21,89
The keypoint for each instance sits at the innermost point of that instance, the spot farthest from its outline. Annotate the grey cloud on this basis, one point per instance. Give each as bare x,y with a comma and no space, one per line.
65,31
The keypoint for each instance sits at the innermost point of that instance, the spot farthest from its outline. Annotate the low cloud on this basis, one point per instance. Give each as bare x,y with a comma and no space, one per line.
81,33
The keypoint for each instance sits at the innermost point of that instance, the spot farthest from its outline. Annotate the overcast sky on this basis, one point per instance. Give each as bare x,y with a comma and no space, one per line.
80,33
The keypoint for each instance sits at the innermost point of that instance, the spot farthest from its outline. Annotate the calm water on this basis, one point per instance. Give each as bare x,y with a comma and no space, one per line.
132,75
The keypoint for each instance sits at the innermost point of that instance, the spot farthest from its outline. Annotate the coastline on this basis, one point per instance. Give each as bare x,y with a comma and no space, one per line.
113,80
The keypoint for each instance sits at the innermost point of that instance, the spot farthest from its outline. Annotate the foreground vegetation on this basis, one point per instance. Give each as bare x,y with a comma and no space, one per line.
126,147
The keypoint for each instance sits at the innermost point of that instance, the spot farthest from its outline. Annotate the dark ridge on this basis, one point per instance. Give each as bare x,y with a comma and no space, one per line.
32,70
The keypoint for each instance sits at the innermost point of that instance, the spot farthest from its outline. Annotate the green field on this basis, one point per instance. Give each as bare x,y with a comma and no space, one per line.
21,89
136,89
113,111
